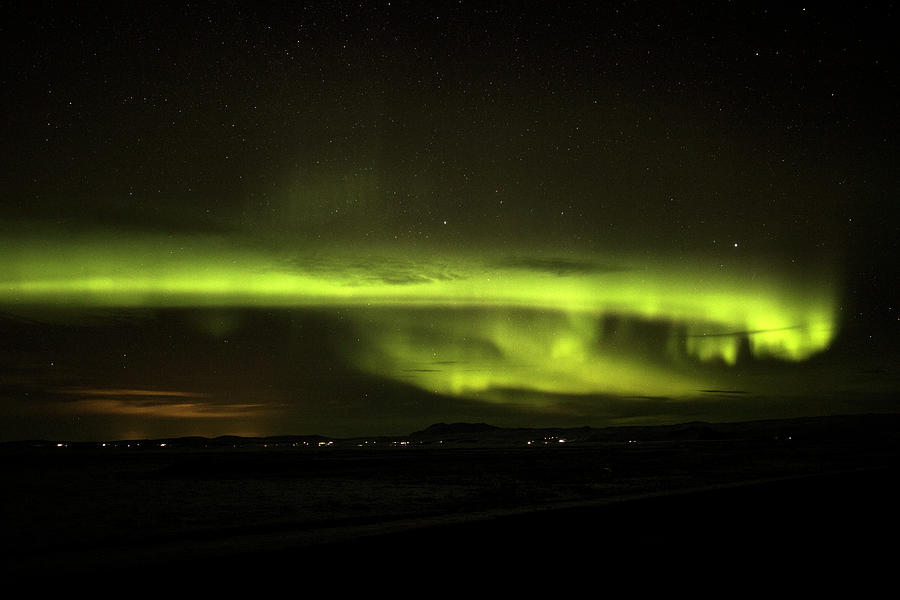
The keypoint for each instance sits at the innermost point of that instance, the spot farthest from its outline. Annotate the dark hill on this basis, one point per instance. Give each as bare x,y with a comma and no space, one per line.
439,430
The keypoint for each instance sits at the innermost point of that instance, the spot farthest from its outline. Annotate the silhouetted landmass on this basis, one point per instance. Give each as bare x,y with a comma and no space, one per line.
811,486
453,429
823,428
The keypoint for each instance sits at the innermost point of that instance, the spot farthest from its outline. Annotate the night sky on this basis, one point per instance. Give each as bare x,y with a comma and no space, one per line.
363,218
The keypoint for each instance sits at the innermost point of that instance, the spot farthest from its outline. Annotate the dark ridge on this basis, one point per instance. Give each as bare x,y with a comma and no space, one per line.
443,429
862,426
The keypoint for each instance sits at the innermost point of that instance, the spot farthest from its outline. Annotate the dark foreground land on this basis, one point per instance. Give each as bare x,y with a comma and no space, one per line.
813,496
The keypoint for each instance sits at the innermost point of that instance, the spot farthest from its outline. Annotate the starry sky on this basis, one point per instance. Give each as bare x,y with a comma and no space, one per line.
363,218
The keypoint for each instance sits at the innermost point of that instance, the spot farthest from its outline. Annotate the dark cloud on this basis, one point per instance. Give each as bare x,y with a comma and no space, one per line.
746,333
559,266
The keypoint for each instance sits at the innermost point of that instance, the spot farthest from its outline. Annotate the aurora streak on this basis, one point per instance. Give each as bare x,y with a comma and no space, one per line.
459,323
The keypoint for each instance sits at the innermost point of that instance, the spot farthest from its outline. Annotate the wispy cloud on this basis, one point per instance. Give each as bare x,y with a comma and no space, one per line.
179,410
156,403
132,392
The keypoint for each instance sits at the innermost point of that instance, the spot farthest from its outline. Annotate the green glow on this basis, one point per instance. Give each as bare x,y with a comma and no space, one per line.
536,323
476,353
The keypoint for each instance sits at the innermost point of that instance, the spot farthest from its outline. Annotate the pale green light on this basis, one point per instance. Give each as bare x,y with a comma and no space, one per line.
534,327
477,352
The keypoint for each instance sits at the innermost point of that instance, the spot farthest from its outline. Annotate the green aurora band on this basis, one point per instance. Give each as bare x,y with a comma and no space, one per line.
458,323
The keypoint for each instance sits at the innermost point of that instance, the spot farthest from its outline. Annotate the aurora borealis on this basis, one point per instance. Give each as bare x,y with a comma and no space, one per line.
348,219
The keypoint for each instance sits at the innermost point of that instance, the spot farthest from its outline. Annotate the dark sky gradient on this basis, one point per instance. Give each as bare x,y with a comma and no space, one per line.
347,218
